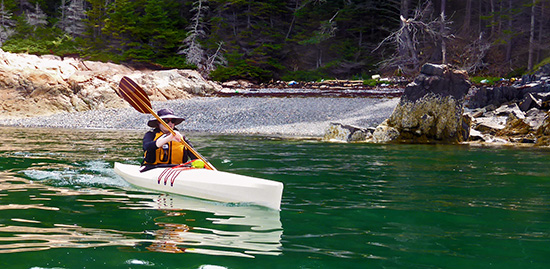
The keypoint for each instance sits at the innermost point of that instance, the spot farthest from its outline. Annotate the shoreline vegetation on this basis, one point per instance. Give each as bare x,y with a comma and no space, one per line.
286,40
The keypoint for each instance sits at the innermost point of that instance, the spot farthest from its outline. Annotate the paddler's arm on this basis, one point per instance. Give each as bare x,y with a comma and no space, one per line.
149,147
149,144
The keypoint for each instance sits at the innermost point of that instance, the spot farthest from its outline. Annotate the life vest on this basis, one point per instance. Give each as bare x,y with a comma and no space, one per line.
172,152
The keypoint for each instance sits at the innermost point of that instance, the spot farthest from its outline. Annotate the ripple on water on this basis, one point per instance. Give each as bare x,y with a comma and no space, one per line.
86,174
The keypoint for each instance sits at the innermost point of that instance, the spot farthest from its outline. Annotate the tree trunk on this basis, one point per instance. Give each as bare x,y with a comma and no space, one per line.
63,8
405,8
532,37
248,17
467,18
509,34
293,20
442,32
493,13
539,48
479,20
500,12
406,46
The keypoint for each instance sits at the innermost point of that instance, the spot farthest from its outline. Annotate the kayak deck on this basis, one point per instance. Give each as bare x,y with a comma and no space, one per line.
206,184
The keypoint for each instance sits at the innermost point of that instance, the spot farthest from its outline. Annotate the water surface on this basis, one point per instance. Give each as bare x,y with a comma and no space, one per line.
344,206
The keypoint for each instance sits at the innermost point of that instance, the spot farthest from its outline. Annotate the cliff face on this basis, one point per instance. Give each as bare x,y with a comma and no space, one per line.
40,85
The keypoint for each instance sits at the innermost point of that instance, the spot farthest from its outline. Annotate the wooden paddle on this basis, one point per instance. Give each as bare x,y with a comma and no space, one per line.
138,99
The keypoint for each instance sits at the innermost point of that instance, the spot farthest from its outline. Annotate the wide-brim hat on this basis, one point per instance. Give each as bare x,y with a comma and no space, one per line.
165,114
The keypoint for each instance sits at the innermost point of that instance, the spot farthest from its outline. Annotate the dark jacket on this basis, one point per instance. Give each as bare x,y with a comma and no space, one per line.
150,148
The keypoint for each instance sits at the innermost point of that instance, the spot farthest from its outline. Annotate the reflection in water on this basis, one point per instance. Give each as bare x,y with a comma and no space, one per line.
23,235
259,232
187,224
24,238
397,206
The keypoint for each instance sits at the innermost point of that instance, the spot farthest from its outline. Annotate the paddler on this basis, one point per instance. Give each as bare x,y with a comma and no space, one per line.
164,149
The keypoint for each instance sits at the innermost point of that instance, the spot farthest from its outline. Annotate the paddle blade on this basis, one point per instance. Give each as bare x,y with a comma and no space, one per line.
134,95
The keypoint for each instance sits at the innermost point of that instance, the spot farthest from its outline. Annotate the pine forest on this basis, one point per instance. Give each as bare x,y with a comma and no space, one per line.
286,39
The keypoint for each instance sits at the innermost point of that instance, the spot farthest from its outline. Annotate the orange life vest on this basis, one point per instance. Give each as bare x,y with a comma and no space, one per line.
172,152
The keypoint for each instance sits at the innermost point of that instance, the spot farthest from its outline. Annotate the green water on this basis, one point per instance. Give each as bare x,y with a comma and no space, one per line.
344,206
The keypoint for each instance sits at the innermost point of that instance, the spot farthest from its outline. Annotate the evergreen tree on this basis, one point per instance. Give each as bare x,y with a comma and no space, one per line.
121,24
291,39
96,15
156,30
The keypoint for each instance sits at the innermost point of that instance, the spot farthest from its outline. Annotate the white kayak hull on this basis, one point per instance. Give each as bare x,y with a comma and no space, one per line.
206,184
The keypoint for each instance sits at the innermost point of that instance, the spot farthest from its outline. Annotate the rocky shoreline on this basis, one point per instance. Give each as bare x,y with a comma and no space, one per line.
33,85
52,92
441,106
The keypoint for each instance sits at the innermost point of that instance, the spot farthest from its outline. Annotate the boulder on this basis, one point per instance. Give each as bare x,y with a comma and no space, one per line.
543,70
238,84
514,127
543,133
430,109
337,132
508,123
509,109
530,101
476,135
535,118
489,125
484,96
385,133
33,85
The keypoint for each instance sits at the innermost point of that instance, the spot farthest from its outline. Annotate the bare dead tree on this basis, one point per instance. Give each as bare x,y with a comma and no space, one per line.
411,37
471,59
36,18
216,59
6,23
192,47
443,34
532,37
326,31
73,14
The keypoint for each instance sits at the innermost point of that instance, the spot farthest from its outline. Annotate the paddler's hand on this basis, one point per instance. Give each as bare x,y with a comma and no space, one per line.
178,137
169,137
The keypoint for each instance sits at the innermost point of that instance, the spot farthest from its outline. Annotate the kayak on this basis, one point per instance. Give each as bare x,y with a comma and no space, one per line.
205,184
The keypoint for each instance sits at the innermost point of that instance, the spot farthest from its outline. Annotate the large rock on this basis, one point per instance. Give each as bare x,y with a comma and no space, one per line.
528,95
33,85
430,109
337,132
543,133
508,123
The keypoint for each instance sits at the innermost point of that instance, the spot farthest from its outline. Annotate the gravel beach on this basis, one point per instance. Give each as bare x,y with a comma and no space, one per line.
285,117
